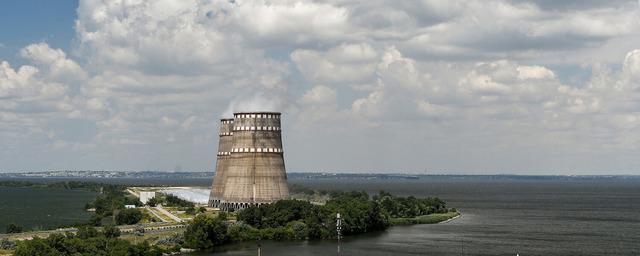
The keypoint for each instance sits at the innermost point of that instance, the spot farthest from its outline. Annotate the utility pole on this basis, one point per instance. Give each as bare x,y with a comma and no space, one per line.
339,230
259,248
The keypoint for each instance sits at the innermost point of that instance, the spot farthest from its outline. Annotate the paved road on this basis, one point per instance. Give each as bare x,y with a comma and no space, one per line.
155,214
165,212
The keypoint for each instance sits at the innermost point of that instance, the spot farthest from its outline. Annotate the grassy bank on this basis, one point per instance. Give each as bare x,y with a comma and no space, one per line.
424,219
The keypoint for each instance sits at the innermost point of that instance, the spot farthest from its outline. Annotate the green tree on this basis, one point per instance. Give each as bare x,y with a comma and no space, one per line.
111,231
99,245
205,232
191,210
128,217
85,232
95,220
13,228
154,201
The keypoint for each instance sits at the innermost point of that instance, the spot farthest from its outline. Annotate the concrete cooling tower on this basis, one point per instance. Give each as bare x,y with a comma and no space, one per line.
222,161
253,171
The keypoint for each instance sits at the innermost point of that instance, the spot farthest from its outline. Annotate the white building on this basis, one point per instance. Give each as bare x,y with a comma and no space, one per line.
145,196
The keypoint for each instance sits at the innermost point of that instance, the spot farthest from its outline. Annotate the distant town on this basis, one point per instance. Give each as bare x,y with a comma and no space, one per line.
300,175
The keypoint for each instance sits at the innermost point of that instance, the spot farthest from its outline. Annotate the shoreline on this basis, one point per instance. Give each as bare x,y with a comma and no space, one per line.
434,218
451,219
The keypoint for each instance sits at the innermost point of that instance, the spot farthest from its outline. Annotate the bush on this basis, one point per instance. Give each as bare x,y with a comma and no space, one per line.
128,217
111,231
13,228
298,230
242,232
85,232
174,201
190,211
205,232
154,201
57,244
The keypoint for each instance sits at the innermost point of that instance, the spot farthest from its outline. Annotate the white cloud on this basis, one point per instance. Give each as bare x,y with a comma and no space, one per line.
319,94
438,82
347,63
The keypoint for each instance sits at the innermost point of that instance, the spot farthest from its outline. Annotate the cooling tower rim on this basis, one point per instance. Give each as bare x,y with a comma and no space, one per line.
258,112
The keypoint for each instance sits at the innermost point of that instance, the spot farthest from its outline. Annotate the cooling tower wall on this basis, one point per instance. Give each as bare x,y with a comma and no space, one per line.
222,161
256,172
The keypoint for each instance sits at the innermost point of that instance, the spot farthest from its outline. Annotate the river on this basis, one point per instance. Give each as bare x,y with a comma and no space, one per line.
541,217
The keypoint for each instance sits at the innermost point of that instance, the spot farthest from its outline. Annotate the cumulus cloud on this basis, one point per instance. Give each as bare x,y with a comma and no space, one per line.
463,85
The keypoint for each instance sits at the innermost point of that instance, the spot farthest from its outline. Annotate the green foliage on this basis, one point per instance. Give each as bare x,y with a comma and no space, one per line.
88,242
13,228
205,232
359,214
242,232
95,220
128,217
190,210
113,199
276,214
409,207
294,219
174,201
111,231
155,201
85,232
298,220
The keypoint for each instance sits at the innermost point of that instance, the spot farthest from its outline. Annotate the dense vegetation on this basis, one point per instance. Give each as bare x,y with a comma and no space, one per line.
128,217
295,219
409,207
88,241
13,228
111,202
174,201
282,220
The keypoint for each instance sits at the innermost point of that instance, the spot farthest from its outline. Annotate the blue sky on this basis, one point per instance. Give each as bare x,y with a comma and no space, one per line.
30,21
461,86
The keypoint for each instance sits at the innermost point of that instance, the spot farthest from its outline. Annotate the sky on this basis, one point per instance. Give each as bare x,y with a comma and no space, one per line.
427,87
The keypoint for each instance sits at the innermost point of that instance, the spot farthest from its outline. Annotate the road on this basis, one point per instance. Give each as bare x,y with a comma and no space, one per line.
167,213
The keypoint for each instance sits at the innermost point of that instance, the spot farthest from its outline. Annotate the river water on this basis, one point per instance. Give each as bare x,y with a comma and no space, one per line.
499,217
539,217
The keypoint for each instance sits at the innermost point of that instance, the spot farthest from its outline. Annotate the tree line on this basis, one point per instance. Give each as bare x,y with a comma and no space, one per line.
297,220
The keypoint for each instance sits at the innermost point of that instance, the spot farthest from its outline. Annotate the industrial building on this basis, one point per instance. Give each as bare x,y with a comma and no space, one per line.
250,166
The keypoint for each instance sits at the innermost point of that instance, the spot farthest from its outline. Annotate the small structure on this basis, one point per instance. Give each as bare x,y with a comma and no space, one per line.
145,196
129,206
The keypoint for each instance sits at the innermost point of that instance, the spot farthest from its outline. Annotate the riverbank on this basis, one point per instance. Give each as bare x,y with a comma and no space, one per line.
426,219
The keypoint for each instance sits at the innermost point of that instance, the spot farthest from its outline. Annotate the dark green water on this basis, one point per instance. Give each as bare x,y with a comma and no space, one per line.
42,208
498,218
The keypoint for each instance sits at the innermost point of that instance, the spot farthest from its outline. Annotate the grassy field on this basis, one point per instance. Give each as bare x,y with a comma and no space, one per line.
425,219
